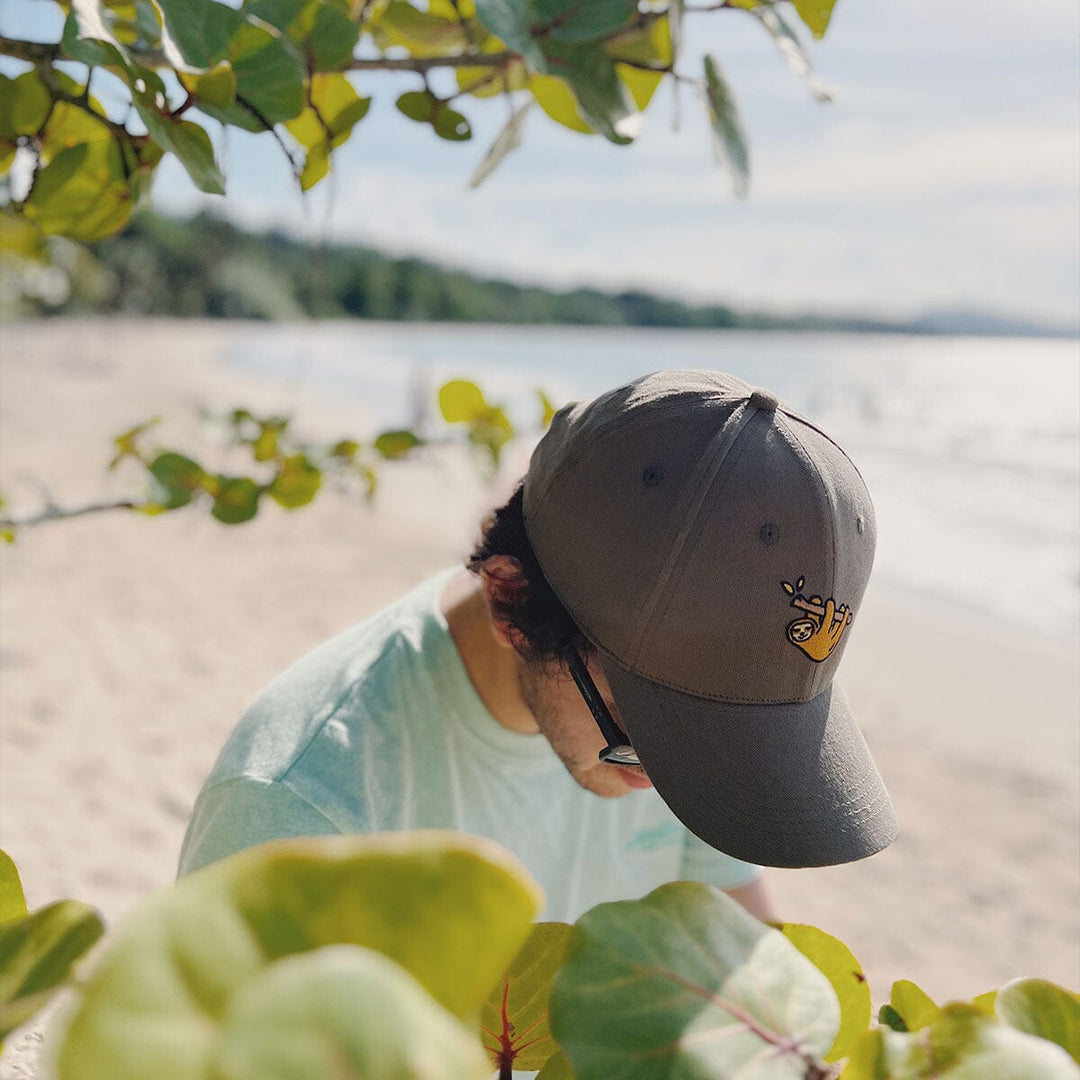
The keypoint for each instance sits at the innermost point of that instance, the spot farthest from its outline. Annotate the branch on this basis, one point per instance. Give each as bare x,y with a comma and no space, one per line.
424,64
57,513
36,52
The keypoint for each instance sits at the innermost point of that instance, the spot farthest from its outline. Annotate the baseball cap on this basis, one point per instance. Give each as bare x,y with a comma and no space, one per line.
714,547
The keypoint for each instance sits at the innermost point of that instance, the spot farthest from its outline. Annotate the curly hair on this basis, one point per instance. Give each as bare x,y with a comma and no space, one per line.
539,615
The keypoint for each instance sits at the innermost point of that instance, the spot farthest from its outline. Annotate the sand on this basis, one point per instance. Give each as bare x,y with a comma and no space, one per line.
130,645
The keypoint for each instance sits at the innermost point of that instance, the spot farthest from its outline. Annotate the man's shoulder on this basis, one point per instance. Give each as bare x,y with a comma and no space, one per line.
350,679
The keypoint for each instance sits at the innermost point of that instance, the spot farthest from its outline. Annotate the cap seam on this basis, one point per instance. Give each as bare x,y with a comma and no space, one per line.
828,438
803,454
643,412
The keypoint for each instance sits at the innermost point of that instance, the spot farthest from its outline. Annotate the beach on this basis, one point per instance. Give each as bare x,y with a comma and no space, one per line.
129,646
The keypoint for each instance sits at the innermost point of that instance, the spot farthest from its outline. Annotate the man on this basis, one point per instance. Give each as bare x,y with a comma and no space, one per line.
664,601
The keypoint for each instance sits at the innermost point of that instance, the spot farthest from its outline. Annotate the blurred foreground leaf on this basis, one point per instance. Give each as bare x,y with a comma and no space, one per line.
1042,1008
12,898
451,910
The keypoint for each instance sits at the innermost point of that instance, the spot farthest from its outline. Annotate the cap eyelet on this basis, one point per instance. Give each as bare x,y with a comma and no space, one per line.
769,534
651,476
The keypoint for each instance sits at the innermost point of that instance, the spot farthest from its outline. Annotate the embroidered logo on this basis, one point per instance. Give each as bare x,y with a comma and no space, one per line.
819,631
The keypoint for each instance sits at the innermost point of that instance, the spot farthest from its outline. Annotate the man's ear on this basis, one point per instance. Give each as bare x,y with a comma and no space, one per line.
505,585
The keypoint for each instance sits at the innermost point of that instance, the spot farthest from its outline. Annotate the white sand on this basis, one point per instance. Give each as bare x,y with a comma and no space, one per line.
129,646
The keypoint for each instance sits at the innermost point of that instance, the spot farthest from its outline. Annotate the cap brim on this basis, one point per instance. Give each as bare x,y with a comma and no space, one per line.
789,785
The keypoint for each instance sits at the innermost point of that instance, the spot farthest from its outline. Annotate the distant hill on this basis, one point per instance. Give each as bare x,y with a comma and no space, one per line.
206,267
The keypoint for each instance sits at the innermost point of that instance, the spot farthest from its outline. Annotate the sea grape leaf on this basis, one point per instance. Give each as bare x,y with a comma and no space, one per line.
452,910
461,401
1042,1008
557,1067
200,29
483,82
604,100
423,33
890,1018
323,29
555,97
236,499
511,21
684,982
342,1010
216,86
573,22
515,1015
296,483
86,37
179,477
791,49
451,125
12,898
418,105
37,955
508,140
189,142
334,108
962,1043
26,102
838,964
816,14
651,44
729,141
395,444
912,1004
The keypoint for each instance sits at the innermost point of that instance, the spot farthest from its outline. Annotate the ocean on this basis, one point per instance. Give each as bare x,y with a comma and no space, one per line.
970,446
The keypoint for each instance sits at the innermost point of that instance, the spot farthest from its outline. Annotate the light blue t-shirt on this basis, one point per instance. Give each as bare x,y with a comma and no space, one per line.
381,729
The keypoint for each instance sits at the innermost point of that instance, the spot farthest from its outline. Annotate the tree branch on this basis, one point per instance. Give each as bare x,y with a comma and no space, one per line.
57,513
36,52
423,64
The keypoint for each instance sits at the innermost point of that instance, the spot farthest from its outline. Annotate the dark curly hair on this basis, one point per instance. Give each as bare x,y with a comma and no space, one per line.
539,615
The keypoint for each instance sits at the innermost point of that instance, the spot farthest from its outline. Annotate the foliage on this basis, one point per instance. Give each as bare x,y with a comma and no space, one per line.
286,67
381,955
287,471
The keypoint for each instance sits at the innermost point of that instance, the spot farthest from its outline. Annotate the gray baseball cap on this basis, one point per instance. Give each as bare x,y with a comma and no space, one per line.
714,547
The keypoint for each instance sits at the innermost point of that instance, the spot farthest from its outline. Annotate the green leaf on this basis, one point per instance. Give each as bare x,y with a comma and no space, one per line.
345,449
199,29
556,1068
423,33
323,30
342,1011
127,442
297,482
22,238
189,142
452,910
334,109
548,410
555,97
37,954
8,535
215,86
573,22
265,447
838,964
508,140
461,401
685,983
791,49
816,14
649,45
729,142
25,102
963,1043
87,38
451,125
395,444
913,1005
482,82
890,1018
511,21
604,100
418,105
179,477
515,1015
236,499
1044,1009
986,1001
12,899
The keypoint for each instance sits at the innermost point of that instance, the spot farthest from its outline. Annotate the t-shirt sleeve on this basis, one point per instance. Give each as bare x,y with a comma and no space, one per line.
244,811
703,863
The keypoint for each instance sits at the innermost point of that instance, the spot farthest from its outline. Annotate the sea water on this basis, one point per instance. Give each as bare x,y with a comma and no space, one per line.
970,446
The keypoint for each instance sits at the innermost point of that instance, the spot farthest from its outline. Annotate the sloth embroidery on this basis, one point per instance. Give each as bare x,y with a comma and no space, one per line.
819,630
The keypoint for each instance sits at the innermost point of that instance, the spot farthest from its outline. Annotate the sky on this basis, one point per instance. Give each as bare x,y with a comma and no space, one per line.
945,174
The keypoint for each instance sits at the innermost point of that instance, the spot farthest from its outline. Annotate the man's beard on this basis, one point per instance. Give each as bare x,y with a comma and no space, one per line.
582,763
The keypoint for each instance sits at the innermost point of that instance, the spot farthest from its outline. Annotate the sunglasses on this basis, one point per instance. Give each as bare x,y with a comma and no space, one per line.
618,751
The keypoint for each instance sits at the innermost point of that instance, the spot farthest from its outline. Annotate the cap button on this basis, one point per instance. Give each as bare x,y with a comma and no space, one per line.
762,399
